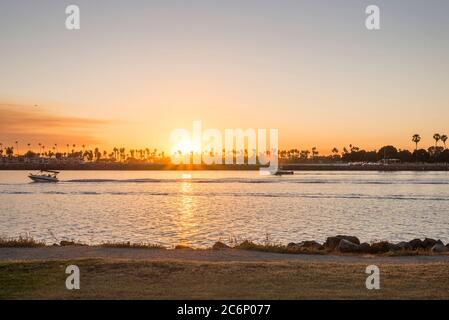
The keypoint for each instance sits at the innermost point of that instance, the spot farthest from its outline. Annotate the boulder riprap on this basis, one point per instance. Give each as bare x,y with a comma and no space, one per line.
310,245
404,246
348,246
365,247
416,244
333,242
439,248
428,243
305,245
381,247
219,245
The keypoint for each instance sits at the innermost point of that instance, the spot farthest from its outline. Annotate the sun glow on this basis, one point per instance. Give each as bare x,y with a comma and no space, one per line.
186,147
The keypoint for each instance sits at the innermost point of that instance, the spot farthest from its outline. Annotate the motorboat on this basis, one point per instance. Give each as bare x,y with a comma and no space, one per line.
44,176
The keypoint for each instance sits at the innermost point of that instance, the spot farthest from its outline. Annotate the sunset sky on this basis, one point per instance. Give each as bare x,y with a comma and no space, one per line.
139,69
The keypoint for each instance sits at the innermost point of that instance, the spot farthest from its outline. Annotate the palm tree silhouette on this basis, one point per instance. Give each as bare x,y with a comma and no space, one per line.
416,139
444,138
437,138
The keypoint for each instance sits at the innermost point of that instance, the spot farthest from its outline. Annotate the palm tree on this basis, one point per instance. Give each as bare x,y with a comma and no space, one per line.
437,138
416,139
9,152
444,138
314,152
17,147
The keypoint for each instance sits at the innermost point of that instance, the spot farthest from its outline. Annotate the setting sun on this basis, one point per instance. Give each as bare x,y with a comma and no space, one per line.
185,147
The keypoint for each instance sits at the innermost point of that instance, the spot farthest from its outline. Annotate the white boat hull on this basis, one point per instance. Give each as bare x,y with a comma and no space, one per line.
42,178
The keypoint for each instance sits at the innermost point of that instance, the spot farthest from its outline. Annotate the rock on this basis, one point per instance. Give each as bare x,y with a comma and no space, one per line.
292,245
64,243
381,247
333,242
310,245
365,247
182,247
439,248
428,243
416,244
348,246
393,247
220,245
350,239
403,245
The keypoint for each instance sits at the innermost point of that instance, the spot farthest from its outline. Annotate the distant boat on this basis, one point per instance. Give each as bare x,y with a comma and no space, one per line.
280,172
44,176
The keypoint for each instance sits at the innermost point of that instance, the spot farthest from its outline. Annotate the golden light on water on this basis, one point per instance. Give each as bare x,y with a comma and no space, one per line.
186,223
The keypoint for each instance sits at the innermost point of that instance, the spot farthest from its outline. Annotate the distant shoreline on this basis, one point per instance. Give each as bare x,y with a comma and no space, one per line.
169,167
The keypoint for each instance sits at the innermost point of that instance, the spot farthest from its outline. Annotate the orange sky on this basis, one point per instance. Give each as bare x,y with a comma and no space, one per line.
136,71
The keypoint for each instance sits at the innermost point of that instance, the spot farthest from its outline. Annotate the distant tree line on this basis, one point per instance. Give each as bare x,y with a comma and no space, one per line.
433,154
437,153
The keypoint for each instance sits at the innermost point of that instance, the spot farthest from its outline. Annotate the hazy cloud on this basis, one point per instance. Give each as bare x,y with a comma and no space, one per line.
32,124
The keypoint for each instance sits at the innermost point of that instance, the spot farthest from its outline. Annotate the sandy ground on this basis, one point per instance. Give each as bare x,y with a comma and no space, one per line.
229,255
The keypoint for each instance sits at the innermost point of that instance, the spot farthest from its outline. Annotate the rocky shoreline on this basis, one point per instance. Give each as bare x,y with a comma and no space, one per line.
342,244
351,244
339,244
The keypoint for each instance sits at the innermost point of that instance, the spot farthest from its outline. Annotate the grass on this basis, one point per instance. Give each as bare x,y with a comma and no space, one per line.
109,279
30,242
20,242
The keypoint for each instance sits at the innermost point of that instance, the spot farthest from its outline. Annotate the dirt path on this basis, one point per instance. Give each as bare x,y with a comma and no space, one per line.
230,255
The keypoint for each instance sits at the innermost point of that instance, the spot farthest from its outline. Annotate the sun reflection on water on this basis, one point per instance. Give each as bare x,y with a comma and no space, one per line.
187,222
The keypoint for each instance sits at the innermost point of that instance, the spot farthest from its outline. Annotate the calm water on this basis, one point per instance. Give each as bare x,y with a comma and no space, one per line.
199,208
